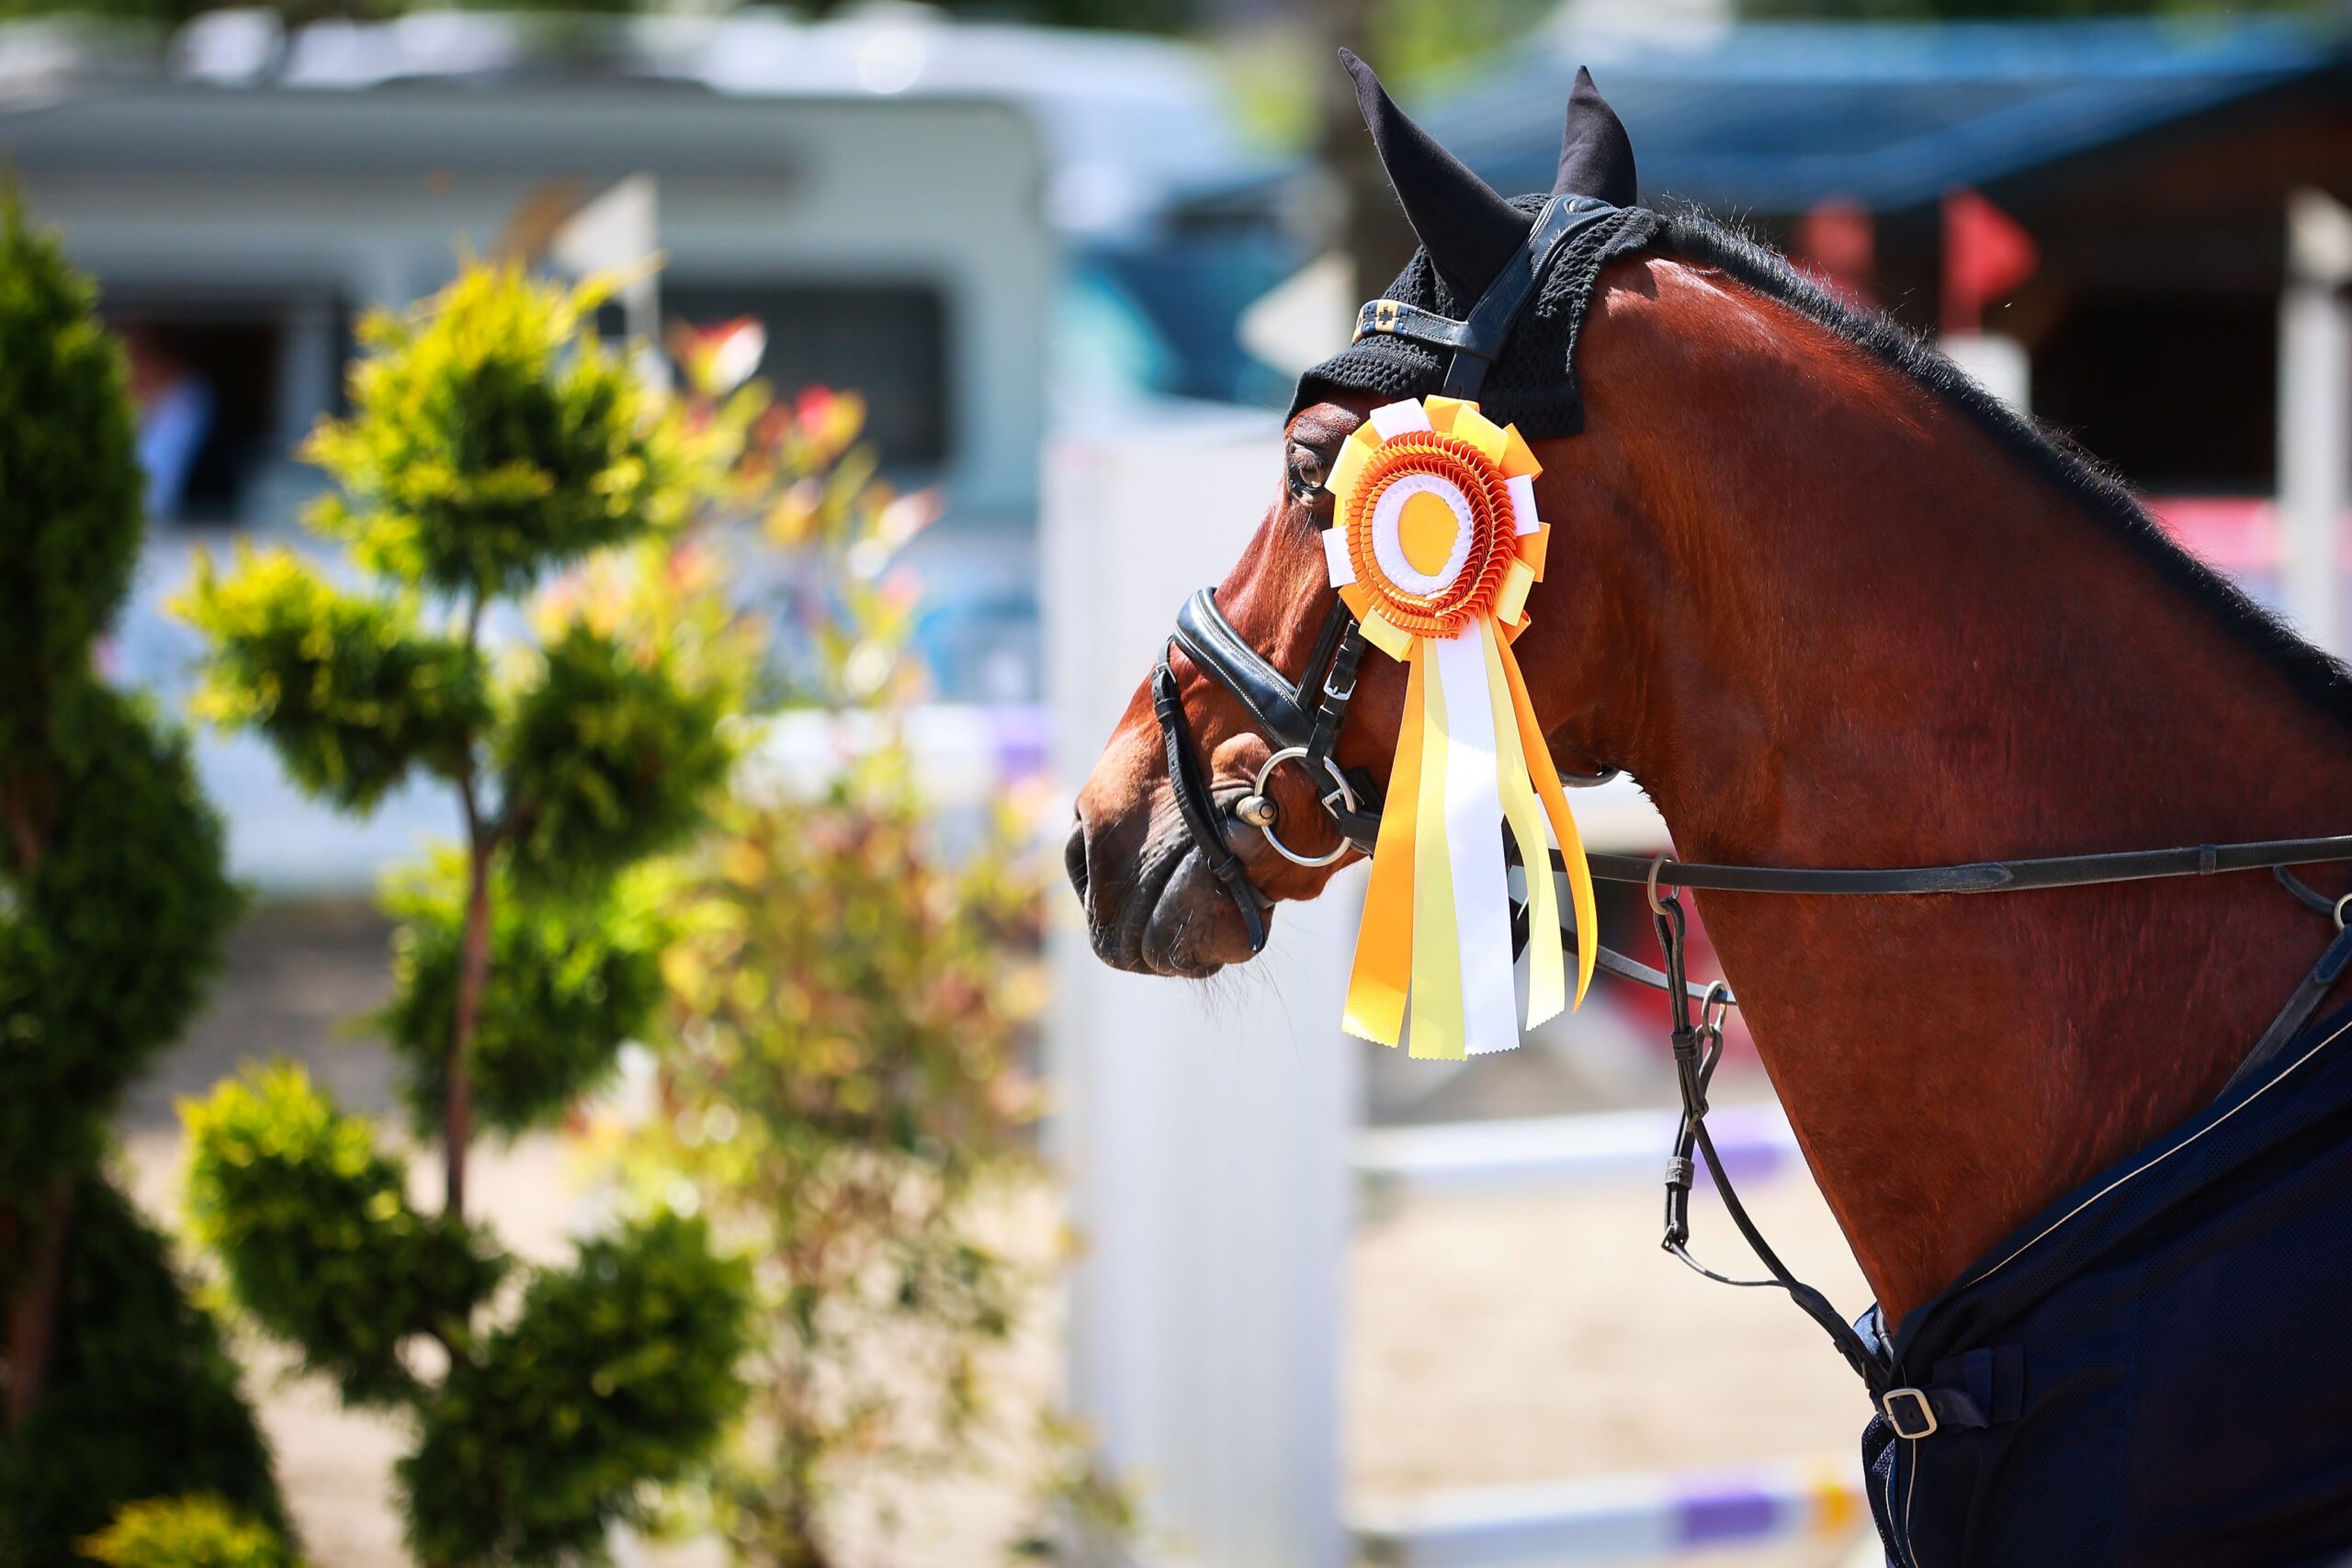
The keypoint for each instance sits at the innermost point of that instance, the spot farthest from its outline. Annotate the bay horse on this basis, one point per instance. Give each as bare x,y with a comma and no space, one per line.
1831,606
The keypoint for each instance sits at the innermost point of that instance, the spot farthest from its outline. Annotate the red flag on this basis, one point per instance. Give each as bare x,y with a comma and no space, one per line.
1986,254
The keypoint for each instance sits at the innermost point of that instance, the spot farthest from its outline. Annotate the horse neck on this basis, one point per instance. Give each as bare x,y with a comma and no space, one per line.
1834,624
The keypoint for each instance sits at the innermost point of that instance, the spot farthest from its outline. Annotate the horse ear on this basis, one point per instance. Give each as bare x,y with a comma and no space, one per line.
1596,155
1468,231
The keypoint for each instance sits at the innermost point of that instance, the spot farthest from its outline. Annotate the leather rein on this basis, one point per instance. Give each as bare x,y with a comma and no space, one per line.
1302,719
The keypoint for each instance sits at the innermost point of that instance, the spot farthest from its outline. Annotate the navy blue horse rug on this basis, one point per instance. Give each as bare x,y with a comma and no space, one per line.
2154,1372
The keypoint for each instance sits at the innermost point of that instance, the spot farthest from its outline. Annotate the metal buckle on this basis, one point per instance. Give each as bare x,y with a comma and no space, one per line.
1919,1398
1256,808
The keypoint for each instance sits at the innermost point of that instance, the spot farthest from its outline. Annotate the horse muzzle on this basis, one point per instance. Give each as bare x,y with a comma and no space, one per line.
1157,908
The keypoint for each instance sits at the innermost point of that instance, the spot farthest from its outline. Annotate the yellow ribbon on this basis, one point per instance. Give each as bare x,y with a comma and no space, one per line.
1377,985
1564,826
1547,970
1435,999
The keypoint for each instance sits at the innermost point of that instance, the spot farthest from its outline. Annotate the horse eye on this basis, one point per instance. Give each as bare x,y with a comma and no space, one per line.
1306,473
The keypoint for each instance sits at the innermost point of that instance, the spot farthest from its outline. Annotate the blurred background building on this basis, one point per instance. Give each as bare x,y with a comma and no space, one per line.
995,229
896,197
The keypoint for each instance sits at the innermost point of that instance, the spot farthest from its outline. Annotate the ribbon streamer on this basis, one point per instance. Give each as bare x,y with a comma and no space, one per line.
1434,548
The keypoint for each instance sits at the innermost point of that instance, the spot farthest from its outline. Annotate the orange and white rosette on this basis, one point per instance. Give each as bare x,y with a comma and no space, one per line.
1434,546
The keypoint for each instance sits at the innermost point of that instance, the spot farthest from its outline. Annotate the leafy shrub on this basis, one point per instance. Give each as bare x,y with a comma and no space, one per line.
843,1089
112,911
572,978
352,692
70,484
612,756
492,442
491,438
616,1372
315,1230
142,1400
199,1531
841,1079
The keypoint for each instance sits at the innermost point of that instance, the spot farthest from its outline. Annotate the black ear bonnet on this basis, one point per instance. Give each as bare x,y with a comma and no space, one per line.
1465,228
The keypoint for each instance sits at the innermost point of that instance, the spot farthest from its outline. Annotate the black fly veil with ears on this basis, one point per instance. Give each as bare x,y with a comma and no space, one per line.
1468,234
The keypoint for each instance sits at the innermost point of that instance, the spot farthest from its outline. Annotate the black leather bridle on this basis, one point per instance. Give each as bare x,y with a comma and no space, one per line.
1300,733
1302,719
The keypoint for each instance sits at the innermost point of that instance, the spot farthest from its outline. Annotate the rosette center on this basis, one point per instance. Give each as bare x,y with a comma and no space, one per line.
1428,527
1422,528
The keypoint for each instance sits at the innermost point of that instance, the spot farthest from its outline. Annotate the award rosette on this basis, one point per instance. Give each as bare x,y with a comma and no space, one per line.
1434,546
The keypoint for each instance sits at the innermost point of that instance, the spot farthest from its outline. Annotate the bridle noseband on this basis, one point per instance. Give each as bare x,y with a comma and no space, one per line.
1295,731
1301,720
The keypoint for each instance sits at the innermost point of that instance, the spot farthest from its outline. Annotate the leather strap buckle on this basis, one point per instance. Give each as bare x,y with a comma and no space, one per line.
1895,1402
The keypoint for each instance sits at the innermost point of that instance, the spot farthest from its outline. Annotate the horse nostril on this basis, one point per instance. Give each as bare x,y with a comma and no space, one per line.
1074,859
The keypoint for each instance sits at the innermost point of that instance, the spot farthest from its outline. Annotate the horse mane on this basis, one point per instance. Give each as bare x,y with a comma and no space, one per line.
2316,677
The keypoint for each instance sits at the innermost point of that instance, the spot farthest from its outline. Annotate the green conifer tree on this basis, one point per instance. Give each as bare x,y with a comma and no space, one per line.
113,908
492,442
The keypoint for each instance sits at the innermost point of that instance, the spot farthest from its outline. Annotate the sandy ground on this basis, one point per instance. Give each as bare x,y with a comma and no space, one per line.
1517,1339
1491,1340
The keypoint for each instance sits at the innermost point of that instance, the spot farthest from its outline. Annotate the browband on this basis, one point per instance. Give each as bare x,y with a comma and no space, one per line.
1475,343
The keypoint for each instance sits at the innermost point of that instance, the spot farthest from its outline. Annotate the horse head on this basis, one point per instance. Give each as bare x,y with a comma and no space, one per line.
1155,900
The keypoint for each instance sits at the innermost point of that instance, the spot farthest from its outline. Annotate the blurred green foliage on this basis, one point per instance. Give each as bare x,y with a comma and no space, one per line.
141,1400
113,908
612,1377
112,901
855,990
607,757
841,1006
314,1228
353,693
512,488
195,1531
70,483
492,439
575,977
843,1091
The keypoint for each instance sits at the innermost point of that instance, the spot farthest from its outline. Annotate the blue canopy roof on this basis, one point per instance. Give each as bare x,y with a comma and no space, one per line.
1773,117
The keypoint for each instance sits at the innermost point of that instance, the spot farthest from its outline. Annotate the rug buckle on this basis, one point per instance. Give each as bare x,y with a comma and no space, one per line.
1919,1406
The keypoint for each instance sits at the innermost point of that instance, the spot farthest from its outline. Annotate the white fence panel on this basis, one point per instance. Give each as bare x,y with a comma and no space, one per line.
1204,1129
1552,1153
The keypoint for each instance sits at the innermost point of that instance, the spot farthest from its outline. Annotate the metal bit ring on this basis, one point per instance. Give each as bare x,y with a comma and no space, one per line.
1256,808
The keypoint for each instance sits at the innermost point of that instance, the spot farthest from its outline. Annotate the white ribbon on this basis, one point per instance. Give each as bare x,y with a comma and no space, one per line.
1473,818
